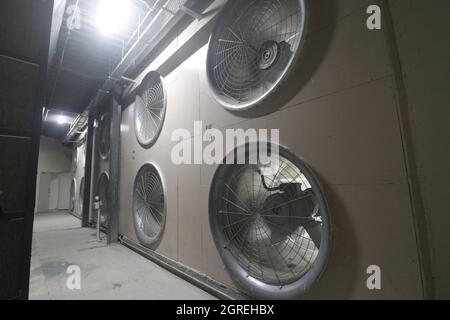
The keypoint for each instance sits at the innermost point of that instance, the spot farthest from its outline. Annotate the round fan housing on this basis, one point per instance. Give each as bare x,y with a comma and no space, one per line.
104,139
149,205
72,196
150,109
75,159
81,197
270,224
252,49
103,194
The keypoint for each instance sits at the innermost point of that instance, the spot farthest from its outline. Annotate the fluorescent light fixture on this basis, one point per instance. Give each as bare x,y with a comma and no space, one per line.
112,15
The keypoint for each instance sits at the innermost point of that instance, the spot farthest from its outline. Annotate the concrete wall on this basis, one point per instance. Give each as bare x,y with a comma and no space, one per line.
342,120
53,158
422,32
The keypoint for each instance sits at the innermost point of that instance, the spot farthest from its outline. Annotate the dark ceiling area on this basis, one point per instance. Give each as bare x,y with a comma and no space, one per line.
84,57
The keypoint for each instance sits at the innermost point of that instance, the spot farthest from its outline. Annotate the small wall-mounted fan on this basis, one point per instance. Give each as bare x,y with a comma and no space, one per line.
149,205
83,154
72,197
104,137
253,48
150,109
103,194
74,159
270,223
81,197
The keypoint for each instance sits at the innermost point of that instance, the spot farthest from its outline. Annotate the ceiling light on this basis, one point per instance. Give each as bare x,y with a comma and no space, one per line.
61,120
112,15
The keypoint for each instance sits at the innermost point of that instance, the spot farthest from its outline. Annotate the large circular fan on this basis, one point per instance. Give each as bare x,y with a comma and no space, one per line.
103,194
72,197
270,223
252,48
150,109
81,197
149,208
104,140
74,159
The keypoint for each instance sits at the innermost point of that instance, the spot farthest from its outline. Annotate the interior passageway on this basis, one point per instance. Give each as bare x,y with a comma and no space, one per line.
107,272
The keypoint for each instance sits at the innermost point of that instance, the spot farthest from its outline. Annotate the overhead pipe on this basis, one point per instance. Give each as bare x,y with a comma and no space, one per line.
143,45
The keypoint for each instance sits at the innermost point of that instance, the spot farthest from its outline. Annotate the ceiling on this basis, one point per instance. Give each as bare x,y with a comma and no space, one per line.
83,57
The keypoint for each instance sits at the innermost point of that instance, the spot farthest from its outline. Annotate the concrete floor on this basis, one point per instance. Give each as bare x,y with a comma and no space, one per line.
113,272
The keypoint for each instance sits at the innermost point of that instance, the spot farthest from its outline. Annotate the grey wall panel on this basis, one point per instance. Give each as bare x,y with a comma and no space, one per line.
372,225
17,90
341,119
351,137
19,34
13,175
424,59
126,174
342,55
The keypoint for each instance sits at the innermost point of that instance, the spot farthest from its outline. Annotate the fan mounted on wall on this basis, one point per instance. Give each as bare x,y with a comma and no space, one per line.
72,196
104,137
81,197
150,109
75,159
270,224
149,205
253,48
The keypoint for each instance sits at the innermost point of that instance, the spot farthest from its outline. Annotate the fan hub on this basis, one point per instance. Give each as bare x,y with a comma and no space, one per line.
276,207
268,54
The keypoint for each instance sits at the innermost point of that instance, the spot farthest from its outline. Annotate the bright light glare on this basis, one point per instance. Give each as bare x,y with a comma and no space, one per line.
61,119
112,15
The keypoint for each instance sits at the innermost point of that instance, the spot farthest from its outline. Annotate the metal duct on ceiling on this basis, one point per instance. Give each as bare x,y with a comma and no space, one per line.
162,17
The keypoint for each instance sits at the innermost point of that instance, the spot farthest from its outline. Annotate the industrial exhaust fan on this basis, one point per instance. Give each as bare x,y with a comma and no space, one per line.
74,159
270,223
150,109
81,197
104,138
72,196
149,205
254,47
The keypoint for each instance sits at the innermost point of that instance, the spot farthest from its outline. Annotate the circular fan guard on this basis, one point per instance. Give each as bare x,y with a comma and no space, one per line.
81,197
252,48
75,159
149,209
72,196
270,224
150,109
105,136
103,194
